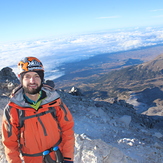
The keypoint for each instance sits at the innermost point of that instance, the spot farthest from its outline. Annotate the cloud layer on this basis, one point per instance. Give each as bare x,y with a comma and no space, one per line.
56,51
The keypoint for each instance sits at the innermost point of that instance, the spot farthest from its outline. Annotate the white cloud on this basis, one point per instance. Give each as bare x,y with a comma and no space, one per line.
54,52
156,10
131,44
158,16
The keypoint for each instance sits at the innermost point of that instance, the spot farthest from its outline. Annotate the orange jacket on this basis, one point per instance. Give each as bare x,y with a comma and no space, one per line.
40,131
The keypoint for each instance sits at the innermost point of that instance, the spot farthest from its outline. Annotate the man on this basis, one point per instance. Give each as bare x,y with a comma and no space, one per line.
37,126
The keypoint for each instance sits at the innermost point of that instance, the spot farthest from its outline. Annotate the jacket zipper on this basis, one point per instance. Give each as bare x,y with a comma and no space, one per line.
44,129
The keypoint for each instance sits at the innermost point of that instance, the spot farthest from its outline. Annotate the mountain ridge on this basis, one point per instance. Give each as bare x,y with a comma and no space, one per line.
86,71
133,78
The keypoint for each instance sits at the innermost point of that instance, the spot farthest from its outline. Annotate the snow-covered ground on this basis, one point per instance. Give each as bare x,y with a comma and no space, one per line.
110,133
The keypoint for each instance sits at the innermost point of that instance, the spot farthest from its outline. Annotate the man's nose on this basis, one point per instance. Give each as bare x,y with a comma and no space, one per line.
32,79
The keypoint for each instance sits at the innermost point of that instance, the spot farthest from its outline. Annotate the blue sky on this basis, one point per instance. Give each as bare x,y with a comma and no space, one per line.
30,19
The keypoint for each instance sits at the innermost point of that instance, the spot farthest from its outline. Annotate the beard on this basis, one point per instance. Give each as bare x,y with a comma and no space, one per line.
33,90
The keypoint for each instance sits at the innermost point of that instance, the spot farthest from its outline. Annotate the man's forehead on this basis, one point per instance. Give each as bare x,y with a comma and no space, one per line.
31,73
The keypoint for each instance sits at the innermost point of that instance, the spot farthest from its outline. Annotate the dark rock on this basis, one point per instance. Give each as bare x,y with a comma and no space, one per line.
50,83
7,75
8,81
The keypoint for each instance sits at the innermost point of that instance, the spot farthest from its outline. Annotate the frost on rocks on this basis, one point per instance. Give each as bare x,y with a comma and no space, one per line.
125,120
112,133
158,135
97,151
109,133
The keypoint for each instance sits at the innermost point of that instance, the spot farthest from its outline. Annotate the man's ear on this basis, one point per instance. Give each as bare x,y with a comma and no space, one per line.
19,76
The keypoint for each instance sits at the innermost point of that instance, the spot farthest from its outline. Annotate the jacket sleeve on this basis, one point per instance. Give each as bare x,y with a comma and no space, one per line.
10,135
66,123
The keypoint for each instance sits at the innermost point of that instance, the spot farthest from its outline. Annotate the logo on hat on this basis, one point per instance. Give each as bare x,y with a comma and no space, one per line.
34,65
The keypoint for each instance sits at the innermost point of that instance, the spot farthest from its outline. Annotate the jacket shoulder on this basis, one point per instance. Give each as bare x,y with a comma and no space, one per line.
51,94
15,90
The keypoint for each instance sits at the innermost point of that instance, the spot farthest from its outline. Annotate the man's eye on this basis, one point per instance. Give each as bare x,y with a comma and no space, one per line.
27,76
37,76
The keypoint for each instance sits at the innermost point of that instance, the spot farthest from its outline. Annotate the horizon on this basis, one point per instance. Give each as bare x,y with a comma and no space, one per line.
57,51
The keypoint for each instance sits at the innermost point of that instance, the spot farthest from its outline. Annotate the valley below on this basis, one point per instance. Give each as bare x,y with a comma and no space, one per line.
113,77
86,71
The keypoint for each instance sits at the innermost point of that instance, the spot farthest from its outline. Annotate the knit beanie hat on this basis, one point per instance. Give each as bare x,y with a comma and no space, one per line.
40,73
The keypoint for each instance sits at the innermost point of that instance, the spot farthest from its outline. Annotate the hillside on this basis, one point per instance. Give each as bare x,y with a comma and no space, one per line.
109,133
85,71
134,78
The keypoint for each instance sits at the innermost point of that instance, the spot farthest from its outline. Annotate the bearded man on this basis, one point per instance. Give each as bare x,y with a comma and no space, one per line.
37,126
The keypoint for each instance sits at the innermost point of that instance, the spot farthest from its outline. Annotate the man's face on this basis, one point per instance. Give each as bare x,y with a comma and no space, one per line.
31,83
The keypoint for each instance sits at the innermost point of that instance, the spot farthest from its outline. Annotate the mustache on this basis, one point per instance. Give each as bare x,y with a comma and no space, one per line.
32,84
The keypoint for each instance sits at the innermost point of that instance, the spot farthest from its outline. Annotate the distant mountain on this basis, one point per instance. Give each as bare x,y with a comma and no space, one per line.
83,73
121,82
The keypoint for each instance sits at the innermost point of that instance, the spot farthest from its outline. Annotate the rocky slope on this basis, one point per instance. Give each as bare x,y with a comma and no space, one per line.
109,133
